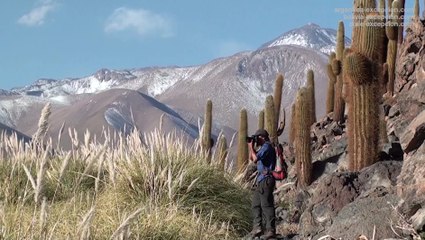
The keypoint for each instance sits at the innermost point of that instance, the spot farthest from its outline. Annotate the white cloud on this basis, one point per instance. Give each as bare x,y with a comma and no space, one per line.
37,16
142,21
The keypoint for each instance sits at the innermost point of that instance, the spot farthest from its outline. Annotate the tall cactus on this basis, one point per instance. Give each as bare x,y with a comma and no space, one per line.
242,145
362,68
382,13
221,151
302,138
261,120
416,10
392,34
293,124
270,123
401,25
312,95
331,85
206,141
277,96
339,104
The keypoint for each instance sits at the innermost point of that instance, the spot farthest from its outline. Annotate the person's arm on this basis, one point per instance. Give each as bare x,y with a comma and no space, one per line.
252,153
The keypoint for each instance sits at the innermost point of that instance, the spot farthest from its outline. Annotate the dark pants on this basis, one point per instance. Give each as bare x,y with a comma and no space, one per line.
263,204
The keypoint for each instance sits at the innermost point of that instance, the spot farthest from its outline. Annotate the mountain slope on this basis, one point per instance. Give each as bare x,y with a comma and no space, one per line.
114,109
232,83
309,36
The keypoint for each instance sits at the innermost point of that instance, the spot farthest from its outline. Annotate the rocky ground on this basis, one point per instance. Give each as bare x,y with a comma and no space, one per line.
385,200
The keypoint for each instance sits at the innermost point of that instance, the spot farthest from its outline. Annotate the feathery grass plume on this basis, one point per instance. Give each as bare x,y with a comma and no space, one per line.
221,151
261,120
302,135
363,69
311,89
84,226
242,145
40,175
161,122
43,219
43,123
60,136
125,224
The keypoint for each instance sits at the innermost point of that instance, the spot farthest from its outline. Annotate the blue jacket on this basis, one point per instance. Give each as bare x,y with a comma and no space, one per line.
266,161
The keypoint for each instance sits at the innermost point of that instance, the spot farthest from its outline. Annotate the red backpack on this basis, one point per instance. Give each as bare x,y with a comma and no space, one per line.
280,171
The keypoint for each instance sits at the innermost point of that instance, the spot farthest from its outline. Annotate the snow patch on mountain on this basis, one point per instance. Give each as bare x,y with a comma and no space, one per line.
13,108
117,120
309,36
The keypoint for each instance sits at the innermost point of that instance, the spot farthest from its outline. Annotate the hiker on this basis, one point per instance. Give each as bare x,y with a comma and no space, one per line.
263,202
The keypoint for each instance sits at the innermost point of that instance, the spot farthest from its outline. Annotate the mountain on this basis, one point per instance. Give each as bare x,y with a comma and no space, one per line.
309,36
239,81
9,131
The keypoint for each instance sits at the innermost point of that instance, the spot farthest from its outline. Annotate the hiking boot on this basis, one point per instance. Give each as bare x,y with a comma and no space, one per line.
256,232
268,235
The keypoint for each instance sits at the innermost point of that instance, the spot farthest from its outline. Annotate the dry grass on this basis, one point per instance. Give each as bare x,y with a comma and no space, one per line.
152,186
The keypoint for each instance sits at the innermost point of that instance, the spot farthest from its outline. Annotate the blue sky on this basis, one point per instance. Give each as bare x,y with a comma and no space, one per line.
74,38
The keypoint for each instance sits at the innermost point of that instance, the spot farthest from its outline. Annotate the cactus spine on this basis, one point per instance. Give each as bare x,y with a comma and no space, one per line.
310,88
261,120
339,104
302,138
391,32
270,122
362,68
206,129
221,151
331,85
242,145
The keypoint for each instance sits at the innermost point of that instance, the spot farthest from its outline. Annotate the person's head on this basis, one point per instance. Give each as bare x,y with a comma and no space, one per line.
262,136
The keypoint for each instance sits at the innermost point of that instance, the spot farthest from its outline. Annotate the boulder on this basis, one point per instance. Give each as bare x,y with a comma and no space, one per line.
364,216
411,181
414,135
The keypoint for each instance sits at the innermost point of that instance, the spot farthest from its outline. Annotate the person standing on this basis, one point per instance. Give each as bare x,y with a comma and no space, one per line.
263,201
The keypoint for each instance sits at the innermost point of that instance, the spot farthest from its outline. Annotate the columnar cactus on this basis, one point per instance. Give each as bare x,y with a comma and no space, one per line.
261,120
293,123
361,7
339,104
331,85
206,141
277,96
362,68
302,138
416,10
312,95
401,25
221,151
270,122
242,145
382,13
392,34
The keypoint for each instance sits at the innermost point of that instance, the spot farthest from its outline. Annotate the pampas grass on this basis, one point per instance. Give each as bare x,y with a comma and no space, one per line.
139,186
